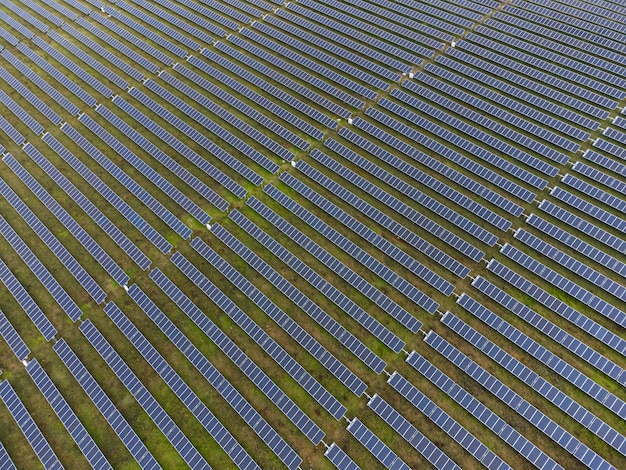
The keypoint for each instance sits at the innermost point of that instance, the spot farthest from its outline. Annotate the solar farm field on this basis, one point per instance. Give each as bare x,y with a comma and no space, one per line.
313,234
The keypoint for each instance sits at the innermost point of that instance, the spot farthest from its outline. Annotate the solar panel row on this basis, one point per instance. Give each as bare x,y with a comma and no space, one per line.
202,140
313,81
5,460
411,435
322,57
339,458
299,334
254,97
227,116
572,264
59,294
491,420
354,279
256,422
345,38
272,90
590,209
588,298
578,245
184,393
426,274
163,184
12,337
603,178
596,193
522,407
131,185
196,160
66,415
377,329
44,234
23,298
29,428
32,98
98,217
304,33
447,423
378,448
106,407
334,328
360,255
555,396
40,83
484,85
194,182
561,308
273,349
583,225
150,405
111,197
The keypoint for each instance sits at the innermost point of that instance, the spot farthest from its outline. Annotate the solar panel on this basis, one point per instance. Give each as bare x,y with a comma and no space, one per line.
39,270
410,434
257,98
305,91
365,232
185,394
213,148
387,337
5,460
299,334
490,419
106,407
270,346
339,458
270,89
571,264
82,276
139,192
257,423
111,197
446,422
575,317
334,328
13,338
377,448
29,428
198,161
23,298
199,187
601,306
81,436
566,440
572,408
363,286
159,416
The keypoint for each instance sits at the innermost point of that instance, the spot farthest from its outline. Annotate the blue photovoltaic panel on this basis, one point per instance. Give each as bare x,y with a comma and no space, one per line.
410,434
339,458
23,298
334,328
274,393
378,330
363,286
258,424
81,437
159,416
347,377
378,448
28,427
185,394
12,337
106,407
5,461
